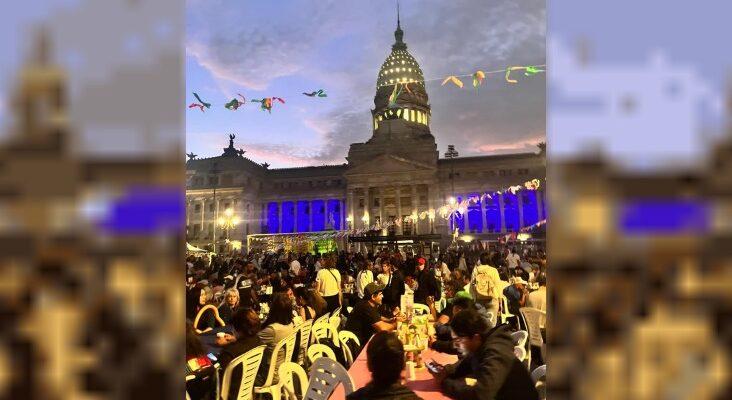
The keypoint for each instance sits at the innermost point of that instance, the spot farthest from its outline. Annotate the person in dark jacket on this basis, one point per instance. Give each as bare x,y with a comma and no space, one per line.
246,323
385,360
426,284
488,358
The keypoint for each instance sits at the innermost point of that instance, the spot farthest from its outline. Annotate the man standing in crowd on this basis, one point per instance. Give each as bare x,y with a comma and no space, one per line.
513,259
426,284
485,284
488,358
537,298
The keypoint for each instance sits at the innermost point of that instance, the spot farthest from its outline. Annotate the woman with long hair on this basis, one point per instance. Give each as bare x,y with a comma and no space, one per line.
195,301
305,310
328,283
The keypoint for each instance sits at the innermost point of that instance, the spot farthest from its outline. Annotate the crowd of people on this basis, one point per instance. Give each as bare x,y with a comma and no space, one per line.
461,287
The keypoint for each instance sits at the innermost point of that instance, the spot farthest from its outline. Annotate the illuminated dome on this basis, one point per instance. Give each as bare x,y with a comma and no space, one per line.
402,70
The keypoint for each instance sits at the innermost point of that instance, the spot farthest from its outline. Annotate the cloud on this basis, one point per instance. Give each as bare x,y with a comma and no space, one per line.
338,48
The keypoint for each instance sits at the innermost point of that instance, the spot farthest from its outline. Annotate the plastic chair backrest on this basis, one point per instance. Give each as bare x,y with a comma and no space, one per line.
335,322
316,351
504,307
325,375
336,312
531,315
325,330
304,329
249,362
281,353
519,338
203,310
322,319
538,373
424,310
288,372
345,337
519,352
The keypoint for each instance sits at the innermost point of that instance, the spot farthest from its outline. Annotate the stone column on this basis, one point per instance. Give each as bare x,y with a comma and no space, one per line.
203,215
344,214
503,214
311,225
352,208
430,206
520,200
366,206
539,205
381,207
399,208
265,221
294,214
415,209
483,212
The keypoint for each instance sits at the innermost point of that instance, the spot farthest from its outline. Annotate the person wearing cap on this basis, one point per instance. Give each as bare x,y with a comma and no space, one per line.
365,319
516,293
426,284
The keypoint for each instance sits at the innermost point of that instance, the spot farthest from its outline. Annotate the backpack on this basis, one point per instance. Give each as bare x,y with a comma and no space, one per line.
483,283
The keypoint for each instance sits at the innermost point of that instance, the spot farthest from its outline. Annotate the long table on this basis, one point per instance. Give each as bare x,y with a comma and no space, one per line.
423,384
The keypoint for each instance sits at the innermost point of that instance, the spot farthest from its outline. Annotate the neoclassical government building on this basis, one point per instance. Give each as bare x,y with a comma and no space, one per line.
395,174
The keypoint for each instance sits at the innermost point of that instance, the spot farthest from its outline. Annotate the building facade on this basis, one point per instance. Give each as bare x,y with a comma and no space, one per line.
394,176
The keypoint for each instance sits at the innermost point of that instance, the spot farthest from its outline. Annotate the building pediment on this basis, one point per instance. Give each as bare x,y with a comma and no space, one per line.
387,164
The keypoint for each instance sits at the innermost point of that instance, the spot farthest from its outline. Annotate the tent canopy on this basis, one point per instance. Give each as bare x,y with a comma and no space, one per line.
194,249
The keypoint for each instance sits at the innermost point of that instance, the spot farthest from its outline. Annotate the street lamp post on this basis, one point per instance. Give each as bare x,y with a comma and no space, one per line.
215,172
452,154
228,222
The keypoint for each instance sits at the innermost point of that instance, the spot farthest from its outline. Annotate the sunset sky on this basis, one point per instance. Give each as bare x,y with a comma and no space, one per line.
283,48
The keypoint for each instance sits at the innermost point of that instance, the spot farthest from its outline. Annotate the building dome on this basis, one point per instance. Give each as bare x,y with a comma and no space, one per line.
401,69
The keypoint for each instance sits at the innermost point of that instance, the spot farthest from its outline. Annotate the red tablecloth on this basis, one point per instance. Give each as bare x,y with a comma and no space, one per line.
424,386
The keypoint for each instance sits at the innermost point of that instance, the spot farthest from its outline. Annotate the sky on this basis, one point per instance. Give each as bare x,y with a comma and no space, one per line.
264,49
124,62
663,56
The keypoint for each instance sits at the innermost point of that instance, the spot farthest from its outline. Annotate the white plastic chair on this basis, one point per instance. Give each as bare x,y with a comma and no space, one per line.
335,322
538,373
336,312
536,376
249,363
505,314
288,372
323,318
423,309
532,316
304,330
519,338
519,352
286,346
316,351
345,337
325,330
325,376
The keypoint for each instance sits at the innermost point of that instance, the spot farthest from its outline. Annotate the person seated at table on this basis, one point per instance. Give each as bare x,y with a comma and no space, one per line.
516,293
195,301
276,327
442,341
199,368
365,318
230,305
488,359
304,310
246,328
385,361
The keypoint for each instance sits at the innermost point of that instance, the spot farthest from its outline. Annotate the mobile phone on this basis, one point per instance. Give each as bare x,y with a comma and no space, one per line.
433,367
212,357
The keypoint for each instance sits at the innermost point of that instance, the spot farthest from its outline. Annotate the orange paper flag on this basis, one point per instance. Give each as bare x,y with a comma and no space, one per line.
453,79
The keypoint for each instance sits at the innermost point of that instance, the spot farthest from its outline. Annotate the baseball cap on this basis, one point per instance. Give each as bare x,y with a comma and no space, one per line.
372,289
421,260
